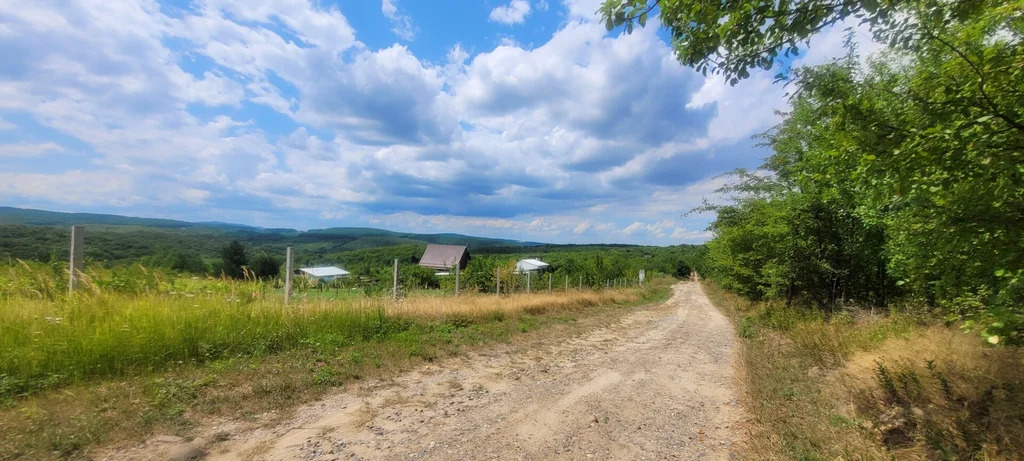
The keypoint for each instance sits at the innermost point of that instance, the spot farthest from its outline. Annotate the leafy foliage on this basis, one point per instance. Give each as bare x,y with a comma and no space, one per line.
233,260
734,36
901,179
265,266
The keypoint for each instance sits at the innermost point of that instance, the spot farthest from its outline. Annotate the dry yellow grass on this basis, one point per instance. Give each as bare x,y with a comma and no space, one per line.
950,395
483,304
872,387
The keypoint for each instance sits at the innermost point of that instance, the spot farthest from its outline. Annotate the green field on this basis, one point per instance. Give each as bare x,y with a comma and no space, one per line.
184,348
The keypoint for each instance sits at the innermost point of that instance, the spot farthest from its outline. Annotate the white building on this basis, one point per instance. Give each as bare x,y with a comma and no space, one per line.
322,274
531,265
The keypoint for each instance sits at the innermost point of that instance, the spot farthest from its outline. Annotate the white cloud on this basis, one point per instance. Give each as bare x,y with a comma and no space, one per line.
687,236
513,13
550,140
742,110
636,226
73,187
750,107
509,41
585,10
570,115
389,8
195,196
402,25
582,227
29,149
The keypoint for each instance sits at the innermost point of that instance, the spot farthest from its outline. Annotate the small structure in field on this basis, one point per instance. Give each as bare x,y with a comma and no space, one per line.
444,258
531,265
322,274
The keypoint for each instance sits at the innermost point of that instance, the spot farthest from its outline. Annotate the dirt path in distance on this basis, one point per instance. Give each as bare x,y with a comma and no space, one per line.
656,384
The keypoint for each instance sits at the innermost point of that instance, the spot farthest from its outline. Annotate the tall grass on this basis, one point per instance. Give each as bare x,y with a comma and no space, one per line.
48,342
865,386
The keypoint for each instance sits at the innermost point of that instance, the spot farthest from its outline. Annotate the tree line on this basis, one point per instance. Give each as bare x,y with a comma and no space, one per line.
899,180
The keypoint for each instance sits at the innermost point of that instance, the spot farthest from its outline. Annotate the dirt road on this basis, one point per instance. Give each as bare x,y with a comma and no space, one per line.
655,384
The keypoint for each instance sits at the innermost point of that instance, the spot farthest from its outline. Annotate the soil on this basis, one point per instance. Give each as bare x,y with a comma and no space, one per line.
656,382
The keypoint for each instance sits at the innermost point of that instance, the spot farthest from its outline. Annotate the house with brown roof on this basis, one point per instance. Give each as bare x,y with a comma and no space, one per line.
444,258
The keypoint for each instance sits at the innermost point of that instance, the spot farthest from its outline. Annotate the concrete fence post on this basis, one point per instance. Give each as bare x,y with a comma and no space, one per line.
566,283
528,282
498,280
457,268
287,274
581,283
75,259
550,276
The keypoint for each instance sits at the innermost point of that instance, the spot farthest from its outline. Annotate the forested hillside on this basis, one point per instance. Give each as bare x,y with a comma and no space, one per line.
43,236
203,249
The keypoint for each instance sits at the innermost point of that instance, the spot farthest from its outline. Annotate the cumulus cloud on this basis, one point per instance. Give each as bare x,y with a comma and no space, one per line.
513,13
575,112
274,112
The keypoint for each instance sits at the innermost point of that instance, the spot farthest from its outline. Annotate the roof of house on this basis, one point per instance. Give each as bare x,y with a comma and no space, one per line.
329,271
530,264
442,256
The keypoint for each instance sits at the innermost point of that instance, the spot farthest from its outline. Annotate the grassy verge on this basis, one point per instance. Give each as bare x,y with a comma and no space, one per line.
860,386
178,364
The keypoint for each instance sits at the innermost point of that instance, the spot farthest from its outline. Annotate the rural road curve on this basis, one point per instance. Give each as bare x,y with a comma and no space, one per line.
657,383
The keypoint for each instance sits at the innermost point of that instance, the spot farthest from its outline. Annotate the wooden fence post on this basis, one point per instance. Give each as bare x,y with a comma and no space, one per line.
287,275
498,289
528,282
566,283
394,280
457,280
550,276
75,259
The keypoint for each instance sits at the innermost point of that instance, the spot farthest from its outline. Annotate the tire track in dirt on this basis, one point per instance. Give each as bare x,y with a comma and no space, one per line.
657,384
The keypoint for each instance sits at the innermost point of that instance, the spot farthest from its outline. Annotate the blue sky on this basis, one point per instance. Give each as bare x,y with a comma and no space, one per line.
517,119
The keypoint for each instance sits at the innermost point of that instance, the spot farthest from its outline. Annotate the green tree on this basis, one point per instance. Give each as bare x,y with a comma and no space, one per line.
265,266
904,174
233,259
734,36
188,262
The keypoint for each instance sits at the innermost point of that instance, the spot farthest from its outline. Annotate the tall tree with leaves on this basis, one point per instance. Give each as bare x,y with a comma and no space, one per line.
265,266
905,173
234,259
732,37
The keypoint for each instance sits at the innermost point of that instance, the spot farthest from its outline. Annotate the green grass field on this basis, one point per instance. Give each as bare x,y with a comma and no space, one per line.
108,366
126,323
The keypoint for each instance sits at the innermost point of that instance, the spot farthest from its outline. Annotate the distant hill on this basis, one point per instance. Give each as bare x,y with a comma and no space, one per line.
446,238
41,235
30,217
